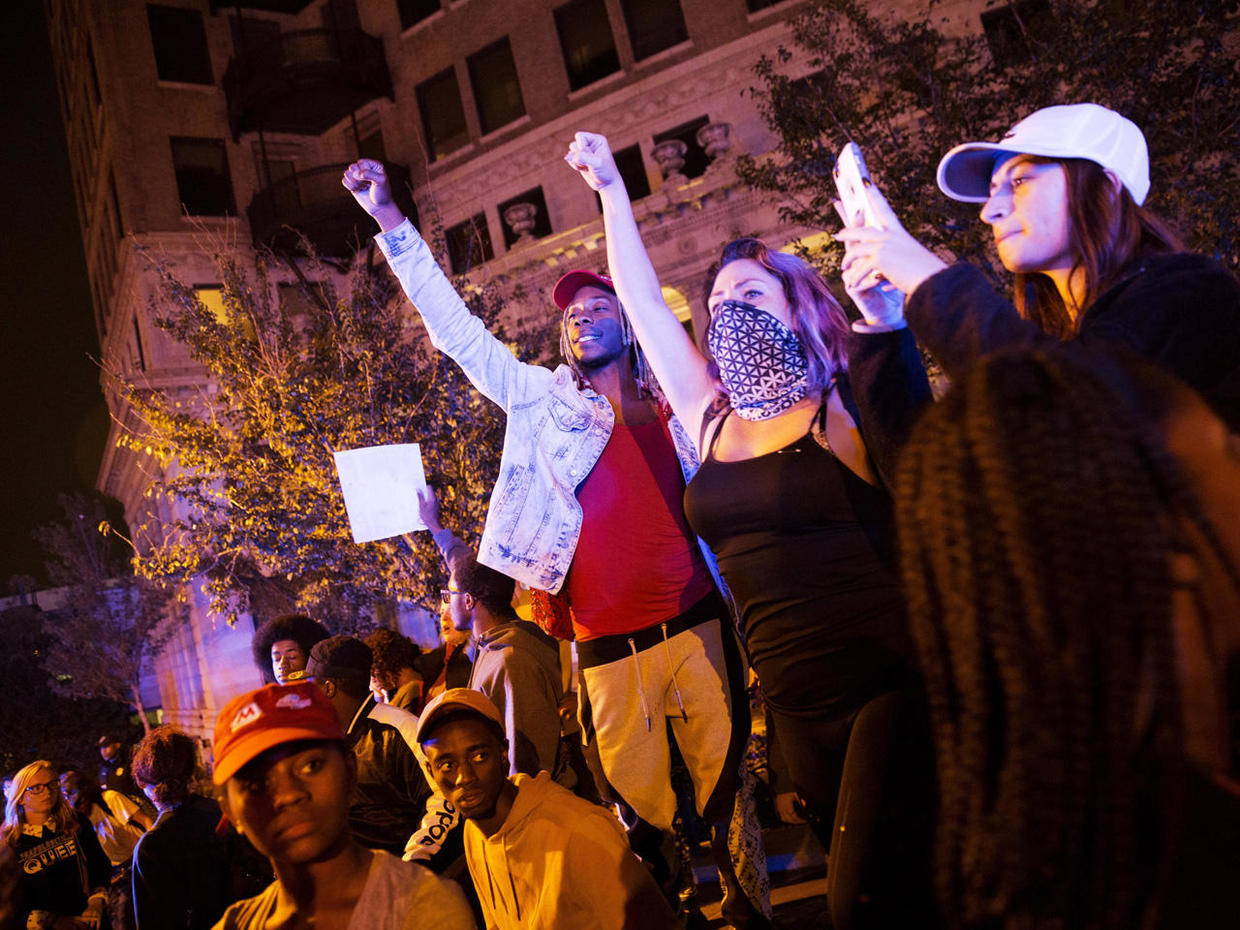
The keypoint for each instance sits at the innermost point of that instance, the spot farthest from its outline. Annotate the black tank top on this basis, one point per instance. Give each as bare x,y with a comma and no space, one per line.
807,548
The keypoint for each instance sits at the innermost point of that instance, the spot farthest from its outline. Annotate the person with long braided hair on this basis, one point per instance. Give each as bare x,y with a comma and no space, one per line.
1068,544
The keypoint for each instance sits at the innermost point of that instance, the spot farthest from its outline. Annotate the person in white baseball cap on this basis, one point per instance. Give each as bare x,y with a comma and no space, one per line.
1077,130
1063,193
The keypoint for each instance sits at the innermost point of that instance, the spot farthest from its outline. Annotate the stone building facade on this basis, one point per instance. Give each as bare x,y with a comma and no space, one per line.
192,119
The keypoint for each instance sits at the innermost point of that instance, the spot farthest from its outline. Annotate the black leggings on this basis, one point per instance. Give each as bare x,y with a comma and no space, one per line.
866,783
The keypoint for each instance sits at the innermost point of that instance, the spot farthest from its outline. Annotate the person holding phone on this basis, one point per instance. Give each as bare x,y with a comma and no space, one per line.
790,497
1063,192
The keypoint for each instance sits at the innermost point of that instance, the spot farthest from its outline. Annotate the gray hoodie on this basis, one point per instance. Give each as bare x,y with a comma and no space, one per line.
518,667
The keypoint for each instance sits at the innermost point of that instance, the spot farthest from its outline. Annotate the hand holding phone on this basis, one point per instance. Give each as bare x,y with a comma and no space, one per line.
851,179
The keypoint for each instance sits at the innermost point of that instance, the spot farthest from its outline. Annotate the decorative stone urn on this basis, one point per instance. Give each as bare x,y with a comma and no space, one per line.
715,139
520,219
670,156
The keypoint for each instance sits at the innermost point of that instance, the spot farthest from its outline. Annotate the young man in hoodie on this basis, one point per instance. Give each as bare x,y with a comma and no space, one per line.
541,857
516,665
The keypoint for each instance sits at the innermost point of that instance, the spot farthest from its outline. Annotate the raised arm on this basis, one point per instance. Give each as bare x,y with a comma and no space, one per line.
675,360
456,332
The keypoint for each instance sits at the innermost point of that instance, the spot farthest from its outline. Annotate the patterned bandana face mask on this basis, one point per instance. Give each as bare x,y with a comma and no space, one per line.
761,362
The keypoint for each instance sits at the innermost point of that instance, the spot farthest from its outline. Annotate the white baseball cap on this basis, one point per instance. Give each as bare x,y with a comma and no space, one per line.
1078,130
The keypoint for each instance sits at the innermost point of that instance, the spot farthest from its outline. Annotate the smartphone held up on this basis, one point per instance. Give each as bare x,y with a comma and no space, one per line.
851,179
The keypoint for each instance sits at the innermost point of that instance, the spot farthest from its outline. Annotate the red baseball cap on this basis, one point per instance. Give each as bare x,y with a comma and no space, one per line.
568,286
251,724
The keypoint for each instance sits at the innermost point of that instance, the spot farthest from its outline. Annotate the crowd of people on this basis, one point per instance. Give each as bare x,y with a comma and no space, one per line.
997,634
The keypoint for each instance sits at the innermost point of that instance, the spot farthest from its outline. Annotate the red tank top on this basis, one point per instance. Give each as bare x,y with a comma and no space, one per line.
637,562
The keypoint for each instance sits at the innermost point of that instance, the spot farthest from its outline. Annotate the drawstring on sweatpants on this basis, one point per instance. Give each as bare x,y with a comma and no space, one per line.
641,684
680,702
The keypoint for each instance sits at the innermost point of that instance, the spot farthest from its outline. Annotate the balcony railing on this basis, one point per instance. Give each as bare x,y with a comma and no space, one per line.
312,204
305,81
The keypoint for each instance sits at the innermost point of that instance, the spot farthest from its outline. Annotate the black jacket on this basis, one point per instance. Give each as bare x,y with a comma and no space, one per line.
181,869
390,798
1180,311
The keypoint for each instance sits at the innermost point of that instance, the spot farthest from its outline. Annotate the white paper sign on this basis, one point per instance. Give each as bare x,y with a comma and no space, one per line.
380,486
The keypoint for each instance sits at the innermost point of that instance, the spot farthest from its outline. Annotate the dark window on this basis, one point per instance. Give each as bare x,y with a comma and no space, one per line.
585,38
497,92
180,43
1011,29
654,25
469,244
414,11
633,170
542,221
203,183
443,119
755,5
696,161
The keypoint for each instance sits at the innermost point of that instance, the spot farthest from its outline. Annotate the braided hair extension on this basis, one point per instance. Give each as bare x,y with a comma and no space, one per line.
1037,512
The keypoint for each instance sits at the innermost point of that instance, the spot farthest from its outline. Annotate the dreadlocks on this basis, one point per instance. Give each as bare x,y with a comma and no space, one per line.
1037,510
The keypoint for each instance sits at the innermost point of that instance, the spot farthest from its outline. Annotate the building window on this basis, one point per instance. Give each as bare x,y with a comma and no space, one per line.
414,11
653,25
497,92
1010,29
469,244
756,5
633,171
585,38
203,183
696,160
180,43
443,119
542,220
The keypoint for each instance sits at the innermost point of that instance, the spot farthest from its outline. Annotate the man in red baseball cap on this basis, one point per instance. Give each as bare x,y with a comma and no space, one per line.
285,775
592,478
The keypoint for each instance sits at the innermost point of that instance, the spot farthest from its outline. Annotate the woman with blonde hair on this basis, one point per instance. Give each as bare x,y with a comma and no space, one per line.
64,873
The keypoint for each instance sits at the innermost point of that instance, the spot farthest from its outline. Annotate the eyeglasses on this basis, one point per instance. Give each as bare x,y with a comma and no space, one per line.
38,789
446,595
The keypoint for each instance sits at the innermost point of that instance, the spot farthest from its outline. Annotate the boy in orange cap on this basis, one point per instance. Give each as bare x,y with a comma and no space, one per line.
285,775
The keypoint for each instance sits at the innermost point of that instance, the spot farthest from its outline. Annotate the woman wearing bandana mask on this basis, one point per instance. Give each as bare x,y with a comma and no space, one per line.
797,427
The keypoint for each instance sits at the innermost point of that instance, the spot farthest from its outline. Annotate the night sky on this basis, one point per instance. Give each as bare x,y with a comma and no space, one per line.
55,421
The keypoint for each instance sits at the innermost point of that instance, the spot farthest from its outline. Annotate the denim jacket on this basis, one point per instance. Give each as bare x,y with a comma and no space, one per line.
556,431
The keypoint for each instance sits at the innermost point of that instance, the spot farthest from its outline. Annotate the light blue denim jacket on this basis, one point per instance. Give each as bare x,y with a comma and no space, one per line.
556,431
